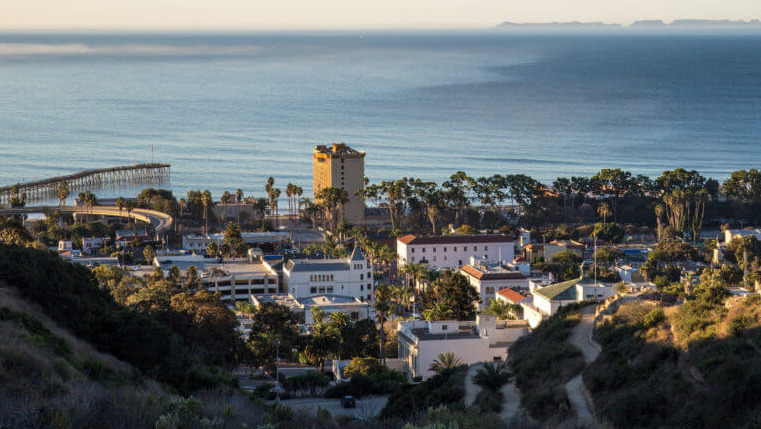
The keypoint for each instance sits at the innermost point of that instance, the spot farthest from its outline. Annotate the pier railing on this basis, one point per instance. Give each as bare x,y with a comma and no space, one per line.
85,180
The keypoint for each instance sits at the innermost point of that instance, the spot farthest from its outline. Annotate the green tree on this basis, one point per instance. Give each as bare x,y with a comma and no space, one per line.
568,265
454,291
383,308
148,254
604,211
445,361
332,200
492,376
62,192
212,249
503,310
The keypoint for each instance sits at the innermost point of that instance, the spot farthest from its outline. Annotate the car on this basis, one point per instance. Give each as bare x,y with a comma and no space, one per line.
348,402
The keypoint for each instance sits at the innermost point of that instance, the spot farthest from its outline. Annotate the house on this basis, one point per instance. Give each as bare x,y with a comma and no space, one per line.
454,251
489,279
269,242
352,276
731,234
510,296
93,245
485,340
546,301
356,309
126,236
536,252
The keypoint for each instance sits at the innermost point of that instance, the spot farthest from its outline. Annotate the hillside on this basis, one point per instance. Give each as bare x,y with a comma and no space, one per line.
698,366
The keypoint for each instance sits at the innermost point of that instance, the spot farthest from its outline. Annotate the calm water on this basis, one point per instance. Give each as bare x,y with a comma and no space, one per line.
229,110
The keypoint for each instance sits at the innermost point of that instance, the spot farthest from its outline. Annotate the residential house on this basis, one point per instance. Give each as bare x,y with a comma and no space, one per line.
486,340
489,279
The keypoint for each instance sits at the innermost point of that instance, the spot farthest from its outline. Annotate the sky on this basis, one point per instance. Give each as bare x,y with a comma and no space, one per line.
349,14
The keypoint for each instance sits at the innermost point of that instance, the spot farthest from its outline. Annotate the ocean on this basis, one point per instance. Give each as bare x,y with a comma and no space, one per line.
229,110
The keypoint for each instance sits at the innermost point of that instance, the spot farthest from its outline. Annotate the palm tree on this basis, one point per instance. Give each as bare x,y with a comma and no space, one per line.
206,200
445,361
332,200
383,308
604,211
62,192
239,195
659,210
121,202
437,311
492,376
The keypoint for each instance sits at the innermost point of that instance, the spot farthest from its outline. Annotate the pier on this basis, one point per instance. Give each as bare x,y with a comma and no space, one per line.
86,180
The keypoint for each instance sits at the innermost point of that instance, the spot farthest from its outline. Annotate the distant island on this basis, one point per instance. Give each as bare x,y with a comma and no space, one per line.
679,24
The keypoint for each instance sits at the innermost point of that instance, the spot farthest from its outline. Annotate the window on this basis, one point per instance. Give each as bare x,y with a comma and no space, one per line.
330,289
443,327
423,250
465,248
412,250
312,289
445,249
322,289
412,259
361,287
497,359
455,248
361,276
369,275
475,248
369,297
490,290
459,262
434,250
486,248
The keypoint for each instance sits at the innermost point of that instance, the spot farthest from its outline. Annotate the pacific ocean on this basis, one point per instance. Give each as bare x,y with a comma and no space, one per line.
228,110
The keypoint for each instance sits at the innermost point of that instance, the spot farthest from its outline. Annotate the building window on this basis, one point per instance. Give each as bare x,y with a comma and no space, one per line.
361,287
369,276
412,250
423,250
369,297
434,250
412,259
322,289
443,327
459,262
486,248
312,289
330,289
490,290
455,248
361,276
465,248
445,249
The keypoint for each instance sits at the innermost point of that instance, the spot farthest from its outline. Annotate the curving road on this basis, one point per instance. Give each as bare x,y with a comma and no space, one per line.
160,222
582,338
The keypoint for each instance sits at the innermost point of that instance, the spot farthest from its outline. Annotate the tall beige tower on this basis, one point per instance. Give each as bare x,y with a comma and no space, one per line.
340,166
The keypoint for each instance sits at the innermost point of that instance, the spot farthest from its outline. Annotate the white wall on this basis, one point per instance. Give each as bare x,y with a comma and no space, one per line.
446,256
357,281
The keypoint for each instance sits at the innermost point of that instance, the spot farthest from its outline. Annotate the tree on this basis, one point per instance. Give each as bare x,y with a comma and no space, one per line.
457,191
383,309
192,279
492,376
332,200
743,185
62,192
206,201
454,292
365,366
239,195
233,245
685,194
149,254
212,249
437,311
445,361
502,309
272,324
322,343
568,264
604,211
659,210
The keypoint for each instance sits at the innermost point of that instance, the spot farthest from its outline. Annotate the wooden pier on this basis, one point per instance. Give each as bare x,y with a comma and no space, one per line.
86,180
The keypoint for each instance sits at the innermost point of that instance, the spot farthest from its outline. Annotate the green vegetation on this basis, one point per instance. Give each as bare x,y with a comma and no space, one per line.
543,362
446,388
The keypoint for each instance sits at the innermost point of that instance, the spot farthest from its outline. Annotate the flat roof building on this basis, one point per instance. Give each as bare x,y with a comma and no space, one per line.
454,251
339,166
351,276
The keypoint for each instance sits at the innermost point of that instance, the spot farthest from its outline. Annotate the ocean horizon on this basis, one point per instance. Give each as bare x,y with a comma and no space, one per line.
227,110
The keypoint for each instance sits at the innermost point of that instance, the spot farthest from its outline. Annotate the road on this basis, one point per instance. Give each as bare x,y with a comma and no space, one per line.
161,222
582,338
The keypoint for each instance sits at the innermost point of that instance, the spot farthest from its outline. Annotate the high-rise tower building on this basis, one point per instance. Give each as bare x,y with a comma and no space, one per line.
340,166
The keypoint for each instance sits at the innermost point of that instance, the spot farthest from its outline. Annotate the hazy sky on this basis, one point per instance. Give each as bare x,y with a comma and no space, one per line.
290,14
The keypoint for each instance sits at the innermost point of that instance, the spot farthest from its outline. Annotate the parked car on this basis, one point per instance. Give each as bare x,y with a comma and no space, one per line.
348,402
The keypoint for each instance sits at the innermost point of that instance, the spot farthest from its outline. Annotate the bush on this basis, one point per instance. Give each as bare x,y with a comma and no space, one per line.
446,388
382,383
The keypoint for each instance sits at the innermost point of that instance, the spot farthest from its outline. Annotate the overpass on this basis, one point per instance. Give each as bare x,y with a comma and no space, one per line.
160,222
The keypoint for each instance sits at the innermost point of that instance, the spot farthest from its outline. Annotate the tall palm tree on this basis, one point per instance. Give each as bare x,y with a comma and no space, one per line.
445,361
239,195
62,192
604,211
383,308
659,210
206,201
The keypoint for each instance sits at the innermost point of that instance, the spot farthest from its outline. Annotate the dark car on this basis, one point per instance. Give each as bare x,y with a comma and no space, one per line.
348,402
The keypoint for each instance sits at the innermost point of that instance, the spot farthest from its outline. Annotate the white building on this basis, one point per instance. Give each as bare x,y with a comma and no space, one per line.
272,241
352,276
731,234
454,251
487,280
93,245
485,340
356,309
546,301
235,279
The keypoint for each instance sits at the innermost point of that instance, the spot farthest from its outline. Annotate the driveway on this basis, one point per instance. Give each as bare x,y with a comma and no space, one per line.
368,407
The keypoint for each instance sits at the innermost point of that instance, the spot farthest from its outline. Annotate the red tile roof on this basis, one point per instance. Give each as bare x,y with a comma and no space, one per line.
456,239
511,295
